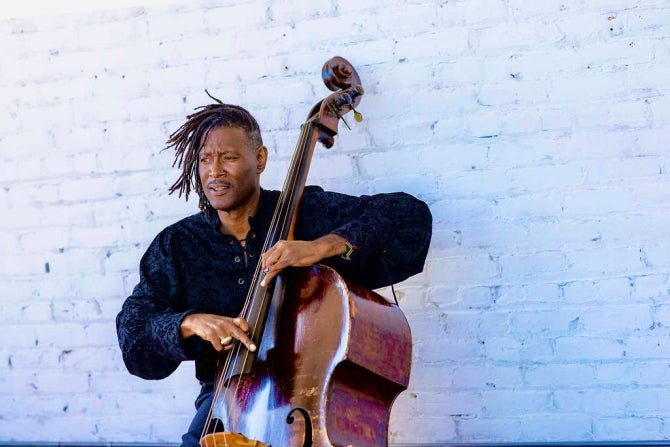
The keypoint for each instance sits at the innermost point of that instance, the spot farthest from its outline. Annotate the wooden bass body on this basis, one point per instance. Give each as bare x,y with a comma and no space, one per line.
329,367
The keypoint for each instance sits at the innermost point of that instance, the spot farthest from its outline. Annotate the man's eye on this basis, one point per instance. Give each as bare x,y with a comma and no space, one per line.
204,160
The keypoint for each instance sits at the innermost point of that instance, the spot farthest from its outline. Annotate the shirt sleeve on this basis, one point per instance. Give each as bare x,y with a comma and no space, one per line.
391,232
148,325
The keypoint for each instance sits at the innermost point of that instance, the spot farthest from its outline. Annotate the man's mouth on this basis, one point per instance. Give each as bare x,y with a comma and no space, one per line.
218,187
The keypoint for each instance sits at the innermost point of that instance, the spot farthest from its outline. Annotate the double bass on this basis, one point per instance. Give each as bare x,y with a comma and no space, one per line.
332,356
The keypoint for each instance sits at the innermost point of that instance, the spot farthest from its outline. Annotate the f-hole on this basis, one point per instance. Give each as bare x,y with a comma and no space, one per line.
215,426
308,424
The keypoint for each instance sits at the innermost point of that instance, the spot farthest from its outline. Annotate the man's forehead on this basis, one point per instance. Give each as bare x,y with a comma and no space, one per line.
238,135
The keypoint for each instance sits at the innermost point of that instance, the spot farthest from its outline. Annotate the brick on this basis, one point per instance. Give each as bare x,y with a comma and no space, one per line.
462,270
626,260
612,319
73,261
161,25
591,348
19,265
449,350
492,378
517,401
447,41
121,259
561,375
45,239
17,309
460,211
467,13
526,351
631,428
538,265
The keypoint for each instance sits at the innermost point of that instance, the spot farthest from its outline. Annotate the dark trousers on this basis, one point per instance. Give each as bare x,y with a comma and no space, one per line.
202,405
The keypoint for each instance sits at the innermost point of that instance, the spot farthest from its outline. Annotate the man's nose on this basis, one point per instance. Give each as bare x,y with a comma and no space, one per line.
216,169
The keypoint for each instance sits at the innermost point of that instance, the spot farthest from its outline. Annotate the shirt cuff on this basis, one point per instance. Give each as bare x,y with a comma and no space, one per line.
165,332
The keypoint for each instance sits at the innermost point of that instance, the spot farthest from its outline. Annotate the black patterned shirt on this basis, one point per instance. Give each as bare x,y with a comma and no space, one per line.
192,267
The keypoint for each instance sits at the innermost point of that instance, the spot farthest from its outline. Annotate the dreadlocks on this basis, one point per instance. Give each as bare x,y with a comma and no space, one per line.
190,137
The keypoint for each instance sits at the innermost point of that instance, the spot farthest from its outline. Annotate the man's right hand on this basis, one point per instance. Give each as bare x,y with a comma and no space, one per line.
220,331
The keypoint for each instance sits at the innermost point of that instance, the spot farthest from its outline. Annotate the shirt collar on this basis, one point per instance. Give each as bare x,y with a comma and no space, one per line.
264,206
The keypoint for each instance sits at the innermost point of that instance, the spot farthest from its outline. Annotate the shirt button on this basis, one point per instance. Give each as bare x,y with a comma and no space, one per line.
237,259
240,281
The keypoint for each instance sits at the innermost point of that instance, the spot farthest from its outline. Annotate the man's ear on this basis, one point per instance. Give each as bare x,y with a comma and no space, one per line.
261,158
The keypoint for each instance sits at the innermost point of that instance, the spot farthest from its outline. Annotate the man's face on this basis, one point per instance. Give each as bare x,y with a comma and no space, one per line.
230,169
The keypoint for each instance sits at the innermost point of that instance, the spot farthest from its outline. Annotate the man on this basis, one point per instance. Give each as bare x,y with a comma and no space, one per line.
195,275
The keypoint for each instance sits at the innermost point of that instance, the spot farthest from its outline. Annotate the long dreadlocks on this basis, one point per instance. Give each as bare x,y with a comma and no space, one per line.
190,137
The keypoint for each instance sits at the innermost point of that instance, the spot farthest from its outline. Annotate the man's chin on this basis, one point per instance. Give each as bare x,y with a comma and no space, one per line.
219,204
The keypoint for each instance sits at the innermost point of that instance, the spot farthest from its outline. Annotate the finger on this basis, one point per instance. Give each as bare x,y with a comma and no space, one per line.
227,343
276,255
242,336
217,343
269,257
268,276
241,323
246,341
272,261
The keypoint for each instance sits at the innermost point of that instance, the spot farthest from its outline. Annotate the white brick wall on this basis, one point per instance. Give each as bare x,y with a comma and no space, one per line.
537,132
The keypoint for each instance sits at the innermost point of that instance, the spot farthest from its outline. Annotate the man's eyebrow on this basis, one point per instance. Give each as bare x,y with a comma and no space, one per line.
213,150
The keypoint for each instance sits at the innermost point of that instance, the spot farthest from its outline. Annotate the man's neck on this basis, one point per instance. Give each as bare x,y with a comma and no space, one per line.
238,227
236,222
